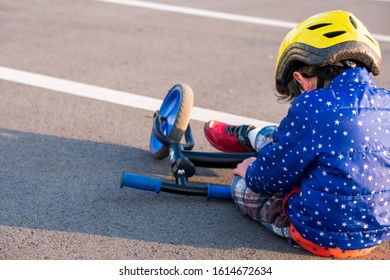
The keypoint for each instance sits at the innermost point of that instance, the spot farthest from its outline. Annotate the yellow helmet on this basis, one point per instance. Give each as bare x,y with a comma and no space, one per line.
325,39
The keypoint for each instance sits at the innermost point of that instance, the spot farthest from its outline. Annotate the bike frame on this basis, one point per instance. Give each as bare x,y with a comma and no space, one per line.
183,162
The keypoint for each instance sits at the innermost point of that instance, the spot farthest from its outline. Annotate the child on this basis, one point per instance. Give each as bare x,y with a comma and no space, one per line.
322,177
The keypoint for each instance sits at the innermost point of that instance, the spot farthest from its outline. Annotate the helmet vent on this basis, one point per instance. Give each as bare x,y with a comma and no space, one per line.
370,39
316,26
334,34
353,22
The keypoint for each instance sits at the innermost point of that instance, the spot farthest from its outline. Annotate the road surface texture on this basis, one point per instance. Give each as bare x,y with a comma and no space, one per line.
62,155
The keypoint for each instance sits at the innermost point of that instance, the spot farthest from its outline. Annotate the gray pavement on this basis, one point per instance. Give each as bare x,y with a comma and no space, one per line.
61,156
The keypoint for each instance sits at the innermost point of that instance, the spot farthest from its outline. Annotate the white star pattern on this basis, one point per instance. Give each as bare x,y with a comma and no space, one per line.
334,147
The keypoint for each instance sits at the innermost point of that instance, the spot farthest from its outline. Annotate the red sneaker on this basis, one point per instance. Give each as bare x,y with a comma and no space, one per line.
228,138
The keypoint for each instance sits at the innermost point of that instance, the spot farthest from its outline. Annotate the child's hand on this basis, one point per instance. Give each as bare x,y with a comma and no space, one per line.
243,166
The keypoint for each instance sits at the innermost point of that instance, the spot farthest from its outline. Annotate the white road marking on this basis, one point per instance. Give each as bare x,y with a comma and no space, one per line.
115,96
203,13
218,15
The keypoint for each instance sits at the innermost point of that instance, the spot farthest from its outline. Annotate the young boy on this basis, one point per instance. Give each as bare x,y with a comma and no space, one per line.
322,177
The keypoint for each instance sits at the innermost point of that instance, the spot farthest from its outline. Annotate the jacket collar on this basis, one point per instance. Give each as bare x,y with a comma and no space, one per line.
352,75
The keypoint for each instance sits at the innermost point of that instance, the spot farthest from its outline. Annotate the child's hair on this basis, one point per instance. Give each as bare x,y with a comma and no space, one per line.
325,73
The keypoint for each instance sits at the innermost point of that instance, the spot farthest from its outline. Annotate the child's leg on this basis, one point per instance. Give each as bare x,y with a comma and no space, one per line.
259,137
267,209
237,138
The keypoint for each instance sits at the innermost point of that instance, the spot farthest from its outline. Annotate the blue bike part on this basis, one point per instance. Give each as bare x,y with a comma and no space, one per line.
174,117
156,185
219,192
141,182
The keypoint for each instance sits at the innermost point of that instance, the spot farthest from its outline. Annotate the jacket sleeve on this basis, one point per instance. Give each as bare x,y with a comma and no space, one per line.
281,164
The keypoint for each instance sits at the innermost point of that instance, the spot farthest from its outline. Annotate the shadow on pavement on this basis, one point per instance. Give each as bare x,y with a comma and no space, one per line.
62,184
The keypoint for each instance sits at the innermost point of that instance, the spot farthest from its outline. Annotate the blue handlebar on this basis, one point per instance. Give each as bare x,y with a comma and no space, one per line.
157,184
141,182
218,192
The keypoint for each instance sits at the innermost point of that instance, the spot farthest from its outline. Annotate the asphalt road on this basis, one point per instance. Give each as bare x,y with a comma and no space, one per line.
61,156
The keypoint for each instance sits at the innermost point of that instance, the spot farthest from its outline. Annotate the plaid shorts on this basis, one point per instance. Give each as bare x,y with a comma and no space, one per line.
264,208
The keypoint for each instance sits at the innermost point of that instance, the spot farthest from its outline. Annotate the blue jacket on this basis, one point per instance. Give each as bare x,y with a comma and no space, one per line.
334,147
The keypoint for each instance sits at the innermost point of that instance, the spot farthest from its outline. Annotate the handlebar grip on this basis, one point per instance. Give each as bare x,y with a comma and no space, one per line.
218,192
141,182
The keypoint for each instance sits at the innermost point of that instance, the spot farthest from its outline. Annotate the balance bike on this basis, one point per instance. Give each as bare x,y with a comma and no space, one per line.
170,124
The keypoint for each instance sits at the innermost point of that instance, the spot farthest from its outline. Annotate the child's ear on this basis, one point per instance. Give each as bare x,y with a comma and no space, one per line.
298,76
304,82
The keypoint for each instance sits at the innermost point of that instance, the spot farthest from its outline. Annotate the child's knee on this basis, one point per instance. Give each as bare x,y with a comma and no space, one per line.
237,188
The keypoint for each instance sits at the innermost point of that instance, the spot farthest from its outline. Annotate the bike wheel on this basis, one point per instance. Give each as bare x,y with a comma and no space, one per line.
175,111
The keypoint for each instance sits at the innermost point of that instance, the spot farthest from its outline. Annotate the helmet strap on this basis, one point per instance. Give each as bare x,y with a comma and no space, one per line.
330,71
320,82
